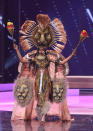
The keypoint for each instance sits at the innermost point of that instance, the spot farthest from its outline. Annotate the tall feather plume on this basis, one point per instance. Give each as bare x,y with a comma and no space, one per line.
60,35
25,39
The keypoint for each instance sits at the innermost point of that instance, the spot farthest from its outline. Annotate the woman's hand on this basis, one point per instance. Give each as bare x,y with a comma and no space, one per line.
15,46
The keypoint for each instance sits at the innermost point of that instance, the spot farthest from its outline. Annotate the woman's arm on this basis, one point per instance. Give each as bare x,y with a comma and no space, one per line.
74,51
69,57
19,55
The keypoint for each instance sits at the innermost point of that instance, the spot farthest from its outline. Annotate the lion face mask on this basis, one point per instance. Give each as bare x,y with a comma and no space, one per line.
43,34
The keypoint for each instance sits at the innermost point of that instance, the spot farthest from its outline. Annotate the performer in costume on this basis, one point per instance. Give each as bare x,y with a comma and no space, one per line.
41,86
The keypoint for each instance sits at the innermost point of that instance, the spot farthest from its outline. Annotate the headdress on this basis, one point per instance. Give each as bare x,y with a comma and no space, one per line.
32,34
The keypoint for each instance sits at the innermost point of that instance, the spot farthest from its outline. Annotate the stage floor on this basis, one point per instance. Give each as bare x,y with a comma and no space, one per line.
81,108
81,123
82,105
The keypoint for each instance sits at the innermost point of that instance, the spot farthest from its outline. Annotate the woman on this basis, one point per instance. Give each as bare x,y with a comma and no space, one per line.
41,86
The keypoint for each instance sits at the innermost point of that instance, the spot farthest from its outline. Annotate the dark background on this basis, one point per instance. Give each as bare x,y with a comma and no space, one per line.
76,15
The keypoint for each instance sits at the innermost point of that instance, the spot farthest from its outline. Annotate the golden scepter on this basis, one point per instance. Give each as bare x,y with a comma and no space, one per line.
83,36
10,28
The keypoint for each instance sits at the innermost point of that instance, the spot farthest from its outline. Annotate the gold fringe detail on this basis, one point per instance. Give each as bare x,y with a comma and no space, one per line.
42,111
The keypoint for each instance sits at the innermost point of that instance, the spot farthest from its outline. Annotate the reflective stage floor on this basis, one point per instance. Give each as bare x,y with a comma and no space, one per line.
77,104
81,109
81,123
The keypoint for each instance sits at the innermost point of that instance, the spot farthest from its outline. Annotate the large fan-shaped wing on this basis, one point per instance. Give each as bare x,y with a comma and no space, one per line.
25,39
60,35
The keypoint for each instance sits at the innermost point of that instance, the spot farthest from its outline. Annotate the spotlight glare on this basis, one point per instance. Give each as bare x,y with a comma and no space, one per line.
89,14
1,20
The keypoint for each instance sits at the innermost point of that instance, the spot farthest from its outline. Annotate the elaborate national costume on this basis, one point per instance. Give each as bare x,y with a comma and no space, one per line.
41,86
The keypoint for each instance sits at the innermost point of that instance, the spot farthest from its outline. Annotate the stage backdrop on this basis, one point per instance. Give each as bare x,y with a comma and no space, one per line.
76,15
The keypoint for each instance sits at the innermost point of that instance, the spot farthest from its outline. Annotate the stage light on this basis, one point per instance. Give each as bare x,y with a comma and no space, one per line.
1,22
9,37
1,17
89,14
